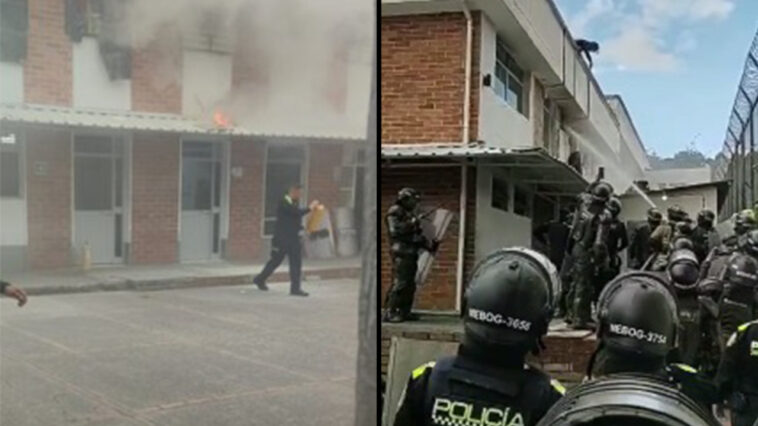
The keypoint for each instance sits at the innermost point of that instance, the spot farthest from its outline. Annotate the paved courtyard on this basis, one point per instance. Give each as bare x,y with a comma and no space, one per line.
222,356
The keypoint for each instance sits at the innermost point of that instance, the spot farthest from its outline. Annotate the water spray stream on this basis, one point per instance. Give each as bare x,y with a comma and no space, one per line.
611,165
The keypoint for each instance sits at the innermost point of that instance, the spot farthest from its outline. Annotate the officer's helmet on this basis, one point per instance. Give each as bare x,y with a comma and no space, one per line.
750,243
742,271
601,192
705,218
654,216
637,314
676,213
683,270
614,205
745,221
408,198
510,298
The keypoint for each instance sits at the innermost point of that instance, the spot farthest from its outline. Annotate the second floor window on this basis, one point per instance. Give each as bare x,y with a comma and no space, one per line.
509,78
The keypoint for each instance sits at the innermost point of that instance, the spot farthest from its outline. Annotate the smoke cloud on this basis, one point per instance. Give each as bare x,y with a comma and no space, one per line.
291,59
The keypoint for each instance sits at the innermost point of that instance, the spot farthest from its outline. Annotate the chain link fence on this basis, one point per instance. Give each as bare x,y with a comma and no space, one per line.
738,160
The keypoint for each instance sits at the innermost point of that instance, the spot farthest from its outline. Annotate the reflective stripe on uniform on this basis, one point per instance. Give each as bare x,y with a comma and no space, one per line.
687,368
420,370
744,327
558,386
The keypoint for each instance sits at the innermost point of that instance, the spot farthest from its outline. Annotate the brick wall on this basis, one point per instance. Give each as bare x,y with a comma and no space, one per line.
49,197
438,187
47,69
246,200
157,74
155,198
423,78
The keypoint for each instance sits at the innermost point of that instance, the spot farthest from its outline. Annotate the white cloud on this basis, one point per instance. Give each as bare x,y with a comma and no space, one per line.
646,35
636,49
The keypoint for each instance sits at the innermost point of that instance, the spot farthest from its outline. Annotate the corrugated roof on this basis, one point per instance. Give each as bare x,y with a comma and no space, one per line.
127,120
529,164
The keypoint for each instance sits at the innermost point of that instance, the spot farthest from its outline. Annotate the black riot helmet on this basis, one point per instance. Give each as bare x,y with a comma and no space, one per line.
675,213
683,270
601,192
705,219
742,271
638,315
510,298
749,243
614,206
408,198
654,217
745,221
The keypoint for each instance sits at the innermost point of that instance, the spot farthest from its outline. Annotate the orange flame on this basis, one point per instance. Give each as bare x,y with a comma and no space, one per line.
221,120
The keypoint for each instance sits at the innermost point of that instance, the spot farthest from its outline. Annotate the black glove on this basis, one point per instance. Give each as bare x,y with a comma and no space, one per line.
433,246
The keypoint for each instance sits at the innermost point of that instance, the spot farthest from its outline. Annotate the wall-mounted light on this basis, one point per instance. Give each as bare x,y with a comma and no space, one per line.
487,80
664,197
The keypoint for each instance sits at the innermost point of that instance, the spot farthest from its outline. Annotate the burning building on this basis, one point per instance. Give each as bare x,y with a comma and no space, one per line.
161,132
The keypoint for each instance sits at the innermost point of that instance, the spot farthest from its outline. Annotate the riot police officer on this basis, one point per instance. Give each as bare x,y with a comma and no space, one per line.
740,281
705,235
713,265
589,252
618,241
744,221
637,330
507,309
406,242
737,377
640,248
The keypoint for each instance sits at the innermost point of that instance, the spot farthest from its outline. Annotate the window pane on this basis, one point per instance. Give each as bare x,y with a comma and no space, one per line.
119,236
521,202
196,185
197,150
515,92
217,184
216,231
93,144
499,194
10,179
119,182
93,183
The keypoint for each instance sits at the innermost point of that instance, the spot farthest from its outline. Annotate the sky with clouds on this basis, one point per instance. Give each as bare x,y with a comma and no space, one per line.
676,63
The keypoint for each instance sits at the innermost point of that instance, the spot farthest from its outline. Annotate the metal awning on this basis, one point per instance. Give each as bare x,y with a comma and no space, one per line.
531,166
129,120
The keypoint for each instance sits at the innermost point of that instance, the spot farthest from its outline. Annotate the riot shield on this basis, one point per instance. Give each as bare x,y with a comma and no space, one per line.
434,226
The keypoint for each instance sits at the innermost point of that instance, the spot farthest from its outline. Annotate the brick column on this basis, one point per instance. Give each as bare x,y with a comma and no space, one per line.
246,200
47,69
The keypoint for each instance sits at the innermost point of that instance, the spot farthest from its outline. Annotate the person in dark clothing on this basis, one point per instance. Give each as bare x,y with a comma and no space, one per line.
406,243
639,247
636,333
618,241
705,237
736,305
9,290
507,309
286,240
737,377
555,236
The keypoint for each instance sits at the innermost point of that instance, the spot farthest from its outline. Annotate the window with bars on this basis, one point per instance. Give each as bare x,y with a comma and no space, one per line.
14,24
509,78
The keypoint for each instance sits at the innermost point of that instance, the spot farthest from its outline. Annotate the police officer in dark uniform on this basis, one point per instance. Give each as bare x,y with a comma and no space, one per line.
589,252
637,326
740,282
737,377
618,241
286,240
406,243
639,248
507,309
555,235
705,235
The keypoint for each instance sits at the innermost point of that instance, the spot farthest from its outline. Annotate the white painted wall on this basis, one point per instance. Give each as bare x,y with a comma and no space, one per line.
499,124
11,83
538,20
92,88
662,178
496,228
206,80
692,201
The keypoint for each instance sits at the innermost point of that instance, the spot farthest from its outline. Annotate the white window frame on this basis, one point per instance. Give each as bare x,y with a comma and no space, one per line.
20,148
304,171
501,87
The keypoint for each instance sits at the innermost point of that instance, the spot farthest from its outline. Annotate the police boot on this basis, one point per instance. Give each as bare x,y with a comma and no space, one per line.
410,316
395,316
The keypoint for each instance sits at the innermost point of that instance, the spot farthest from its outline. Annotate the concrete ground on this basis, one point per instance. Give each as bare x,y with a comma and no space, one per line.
222,356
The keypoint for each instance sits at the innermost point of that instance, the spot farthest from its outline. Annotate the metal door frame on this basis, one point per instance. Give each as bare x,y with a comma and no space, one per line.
125,209
219,153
